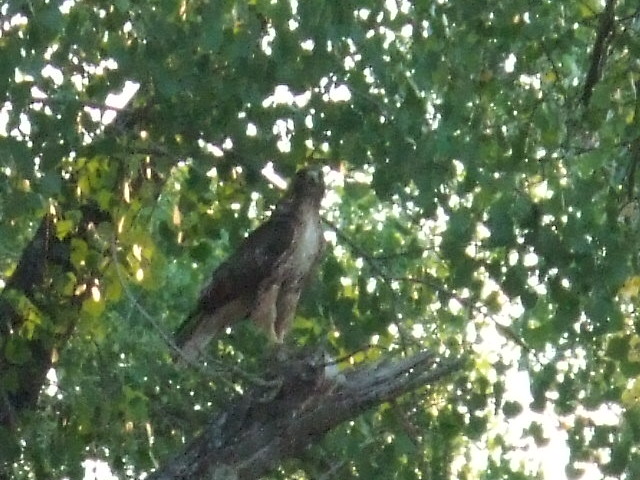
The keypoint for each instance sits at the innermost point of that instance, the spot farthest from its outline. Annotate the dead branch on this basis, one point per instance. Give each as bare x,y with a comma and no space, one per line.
262,428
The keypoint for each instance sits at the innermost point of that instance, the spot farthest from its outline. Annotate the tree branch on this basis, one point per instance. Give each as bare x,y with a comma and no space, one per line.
599,52
31,284
261,429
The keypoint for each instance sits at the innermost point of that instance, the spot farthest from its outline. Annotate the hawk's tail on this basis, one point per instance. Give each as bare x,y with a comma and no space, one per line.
194,334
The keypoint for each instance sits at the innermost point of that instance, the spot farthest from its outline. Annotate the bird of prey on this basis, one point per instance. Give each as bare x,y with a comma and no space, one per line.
263,278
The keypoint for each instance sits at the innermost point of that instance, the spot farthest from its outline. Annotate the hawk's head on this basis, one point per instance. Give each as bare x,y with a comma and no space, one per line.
308,183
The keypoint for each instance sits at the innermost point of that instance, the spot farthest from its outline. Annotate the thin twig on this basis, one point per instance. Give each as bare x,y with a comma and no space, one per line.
344,358
635,146
377,270
9,416
554,67
388,279
333,470
393,256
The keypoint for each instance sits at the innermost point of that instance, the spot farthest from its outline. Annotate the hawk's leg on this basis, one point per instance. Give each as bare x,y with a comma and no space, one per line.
264,313
286,309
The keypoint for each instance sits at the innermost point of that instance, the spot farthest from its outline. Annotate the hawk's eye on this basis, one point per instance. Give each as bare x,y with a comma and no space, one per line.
314,176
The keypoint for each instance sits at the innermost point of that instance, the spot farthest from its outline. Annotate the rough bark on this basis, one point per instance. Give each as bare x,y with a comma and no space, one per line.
269,424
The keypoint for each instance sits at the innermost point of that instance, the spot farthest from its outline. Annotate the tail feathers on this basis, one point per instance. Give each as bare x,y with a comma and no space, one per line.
195,333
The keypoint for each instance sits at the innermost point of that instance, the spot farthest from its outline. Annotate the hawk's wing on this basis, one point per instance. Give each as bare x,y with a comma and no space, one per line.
231,292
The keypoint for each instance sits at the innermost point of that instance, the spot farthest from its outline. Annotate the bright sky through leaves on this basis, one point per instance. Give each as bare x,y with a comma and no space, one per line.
482,161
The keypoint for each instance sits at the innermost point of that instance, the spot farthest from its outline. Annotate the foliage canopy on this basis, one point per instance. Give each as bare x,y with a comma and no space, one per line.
482,158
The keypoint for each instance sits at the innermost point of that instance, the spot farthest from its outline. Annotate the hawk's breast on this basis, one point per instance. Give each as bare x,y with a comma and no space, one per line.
308,243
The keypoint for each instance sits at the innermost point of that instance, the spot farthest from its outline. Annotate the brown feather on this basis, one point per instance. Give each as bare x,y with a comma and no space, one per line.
263,278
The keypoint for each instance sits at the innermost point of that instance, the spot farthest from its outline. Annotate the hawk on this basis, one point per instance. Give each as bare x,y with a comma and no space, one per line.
263,278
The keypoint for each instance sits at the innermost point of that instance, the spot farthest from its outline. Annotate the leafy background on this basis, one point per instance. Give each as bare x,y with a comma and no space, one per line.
482,161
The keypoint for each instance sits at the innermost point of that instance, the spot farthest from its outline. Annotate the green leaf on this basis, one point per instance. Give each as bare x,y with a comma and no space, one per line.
620,454
488,181
618,348
93,307
500,224
511,409
79,250
201,252
10,446
477,427
540,385
537,432
17,351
